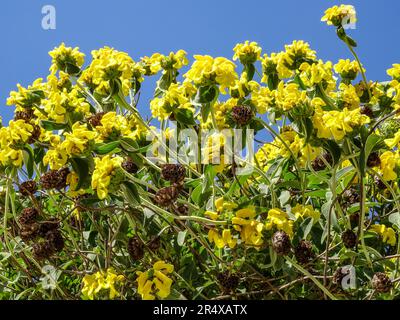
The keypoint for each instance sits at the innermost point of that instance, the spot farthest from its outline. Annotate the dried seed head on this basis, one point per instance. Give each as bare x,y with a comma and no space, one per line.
182,209
54,179
129,166
28,216
35,134
29,232
366,110
174,173
166,196
42,250
47,226
379,183
55,238
154,244
349,239
136,248
373,160
319,164
281,243
27,188
229,281
381,282
25,115
95,120
242,114
303,251
350,196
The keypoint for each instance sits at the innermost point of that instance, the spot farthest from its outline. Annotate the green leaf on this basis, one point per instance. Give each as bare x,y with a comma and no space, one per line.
181,238
131,193
81,168
104,148
185,117
206,94
394,219
28,160
334,149
51,125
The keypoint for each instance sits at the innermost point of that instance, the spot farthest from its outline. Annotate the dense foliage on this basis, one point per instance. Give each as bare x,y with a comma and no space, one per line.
87,214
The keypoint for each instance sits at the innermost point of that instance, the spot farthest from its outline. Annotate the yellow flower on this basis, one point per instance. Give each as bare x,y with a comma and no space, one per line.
109,65
273,66
395,71
10,156
207,70
221,111
155,281
247,52
392,142
60,103
249,228
318,73
347,69
388,234
280,220
174,60
94,283
336,14
104,170
173,98
63,58
112,125
27,97
306,211
295,54
348,96
263,99
389,162
77,141
222,240
289,96
72,182
56,158
337,124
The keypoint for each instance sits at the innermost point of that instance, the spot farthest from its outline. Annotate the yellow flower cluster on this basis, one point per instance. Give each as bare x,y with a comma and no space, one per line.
318,73
335,15
249,228
107,66
76,142
389,162
287,144
176,96
289,96
347,69
93,284
280,220
27,97
388,234
336,124
103,173
395,71
63,58
305,211
155,281
247,52
207,70
60,104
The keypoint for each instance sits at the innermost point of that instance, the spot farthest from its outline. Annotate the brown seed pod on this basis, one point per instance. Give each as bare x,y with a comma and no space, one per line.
129,166
338,276
349,239
182,209
42,250
319,164
29,232
281,243
154,244
174,173
47,226
35,134
95,120
54,179
25,115
28,216
55,238
379,183
303,251
366,110
350,196
166,196
373,160
28,187
228,281
136,248
381,282
242,114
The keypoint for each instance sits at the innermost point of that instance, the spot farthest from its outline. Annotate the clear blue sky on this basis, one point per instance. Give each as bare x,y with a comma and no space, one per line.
199,27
